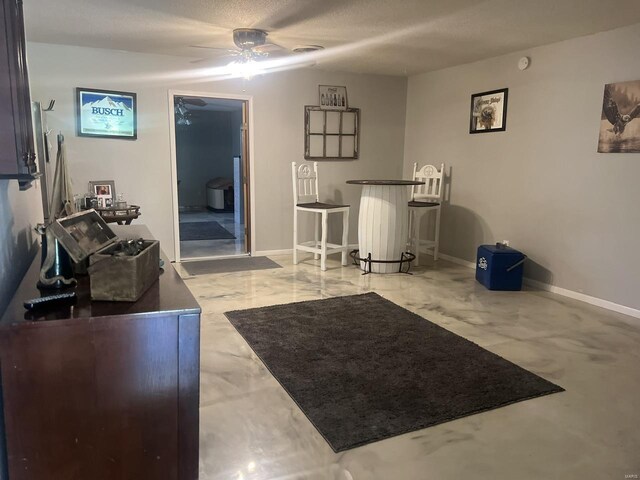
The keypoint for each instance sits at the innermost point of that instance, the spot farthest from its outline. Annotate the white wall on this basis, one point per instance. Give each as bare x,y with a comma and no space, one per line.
141,168
540,184
19,213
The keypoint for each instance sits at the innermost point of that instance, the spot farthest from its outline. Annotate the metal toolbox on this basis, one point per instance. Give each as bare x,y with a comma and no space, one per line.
113,276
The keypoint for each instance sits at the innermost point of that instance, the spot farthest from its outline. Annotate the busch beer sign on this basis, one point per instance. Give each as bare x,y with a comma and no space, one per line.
106,113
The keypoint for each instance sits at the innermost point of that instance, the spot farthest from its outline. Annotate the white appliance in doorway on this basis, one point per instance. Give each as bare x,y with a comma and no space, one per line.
215,195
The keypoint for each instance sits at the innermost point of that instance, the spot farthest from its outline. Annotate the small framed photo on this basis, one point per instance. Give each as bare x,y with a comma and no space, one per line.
105,192
332,97
489,111
106,114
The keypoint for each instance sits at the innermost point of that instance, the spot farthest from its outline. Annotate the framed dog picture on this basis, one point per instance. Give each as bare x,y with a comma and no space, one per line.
489,111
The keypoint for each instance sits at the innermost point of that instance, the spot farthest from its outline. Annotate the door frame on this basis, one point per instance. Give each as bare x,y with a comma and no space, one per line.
174,166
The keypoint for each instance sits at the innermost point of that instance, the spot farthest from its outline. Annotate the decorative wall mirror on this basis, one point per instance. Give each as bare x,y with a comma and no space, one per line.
331,134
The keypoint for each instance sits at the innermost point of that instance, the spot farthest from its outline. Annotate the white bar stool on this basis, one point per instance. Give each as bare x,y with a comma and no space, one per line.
425,198
306,199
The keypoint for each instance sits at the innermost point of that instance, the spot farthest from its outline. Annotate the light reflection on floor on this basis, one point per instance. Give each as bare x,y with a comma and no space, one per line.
208,248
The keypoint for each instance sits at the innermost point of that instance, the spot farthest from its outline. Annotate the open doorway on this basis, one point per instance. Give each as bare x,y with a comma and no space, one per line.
211,173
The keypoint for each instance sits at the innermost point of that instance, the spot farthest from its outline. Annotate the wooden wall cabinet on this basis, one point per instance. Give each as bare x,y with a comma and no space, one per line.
17,151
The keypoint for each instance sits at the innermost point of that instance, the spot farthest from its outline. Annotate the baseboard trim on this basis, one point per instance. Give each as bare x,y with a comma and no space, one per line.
266,253
287,251
598,302
457,261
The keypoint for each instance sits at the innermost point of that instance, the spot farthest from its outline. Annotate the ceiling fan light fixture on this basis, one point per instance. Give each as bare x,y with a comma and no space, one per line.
246,68
181,109
248,38
181,112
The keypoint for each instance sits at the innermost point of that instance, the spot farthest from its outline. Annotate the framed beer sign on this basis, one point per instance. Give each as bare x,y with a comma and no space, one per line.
106,114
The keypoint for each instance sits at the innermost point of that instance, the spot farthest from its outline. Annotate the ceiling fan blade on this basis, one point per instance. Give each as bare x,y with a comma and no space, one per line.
198,102
229,53
270,48
204,47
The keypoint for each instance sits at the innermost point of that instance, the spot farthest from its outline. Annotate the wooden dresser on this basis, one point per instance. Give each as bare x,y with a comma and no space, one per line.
103,390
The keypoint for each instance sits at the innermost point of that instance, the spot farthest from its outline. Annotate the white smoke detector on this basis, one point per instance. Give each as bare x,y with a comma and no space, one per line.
523,63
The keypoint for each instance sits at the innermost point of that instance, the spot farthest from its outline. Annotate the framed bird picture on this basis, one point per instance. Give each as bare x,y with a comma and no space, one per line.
620,118
489,111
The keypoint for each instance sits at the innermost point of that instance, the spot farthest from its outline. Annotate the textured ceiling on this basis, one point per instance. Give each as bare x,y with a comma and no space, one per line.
396,37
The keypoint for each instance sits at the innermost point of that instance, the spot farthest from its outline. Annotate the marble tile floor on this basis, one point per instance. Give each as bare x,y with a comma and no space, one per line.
251,429
209,248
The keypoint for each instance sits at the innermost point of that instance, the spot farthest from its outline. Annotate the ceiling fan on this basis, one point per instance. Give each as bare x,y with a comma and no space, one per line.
183,115
252,45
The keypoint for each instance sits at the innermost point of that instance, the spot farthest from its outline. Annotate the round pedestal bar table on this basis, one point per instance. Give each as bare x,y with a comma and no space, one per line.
383,224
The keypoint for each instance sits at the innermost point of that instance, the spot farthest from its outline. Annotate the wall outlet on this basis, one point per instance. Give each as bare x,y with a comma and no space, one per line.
505,243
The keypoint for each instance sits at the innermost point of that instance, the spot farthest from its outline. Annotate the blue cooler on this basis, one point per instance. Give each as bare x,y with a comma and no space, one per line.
499,267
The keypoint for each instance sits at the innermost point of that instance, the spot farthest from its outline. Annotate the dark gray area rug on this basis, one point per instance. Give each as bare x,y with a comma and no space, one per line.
226,265
363,369
210,230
